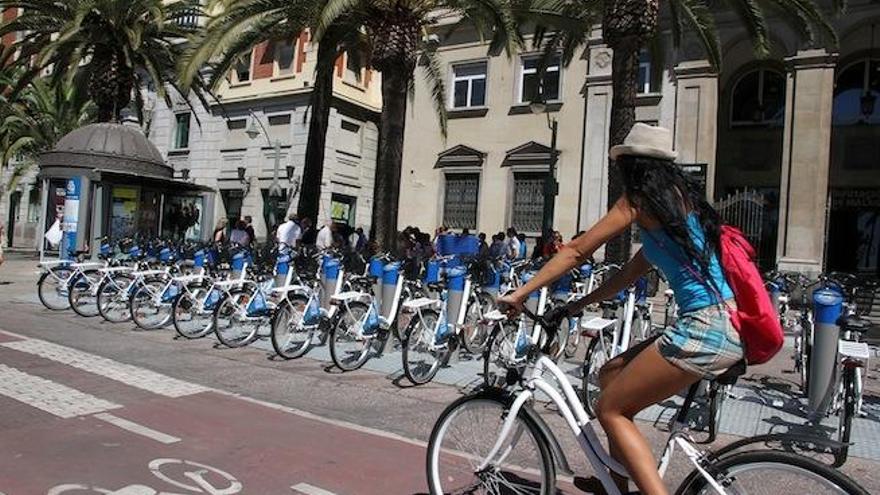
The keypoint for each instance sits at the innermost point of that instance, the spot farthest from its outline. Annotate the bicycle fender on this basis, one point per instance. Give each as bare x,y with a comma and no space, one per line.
784,438
555,449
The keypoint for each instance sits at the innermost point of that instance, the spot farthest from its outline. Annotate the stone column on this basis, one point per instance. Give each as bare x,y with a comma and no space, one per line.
597,119
806,156
696,116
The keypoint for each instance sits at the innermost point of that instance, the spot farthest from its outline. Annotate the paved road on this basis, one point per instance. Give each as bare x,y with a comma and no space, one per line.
88,406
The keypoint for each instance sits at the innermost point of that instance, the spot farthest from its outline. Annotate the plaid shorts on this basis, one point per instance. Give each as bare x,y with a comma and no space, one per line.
703,342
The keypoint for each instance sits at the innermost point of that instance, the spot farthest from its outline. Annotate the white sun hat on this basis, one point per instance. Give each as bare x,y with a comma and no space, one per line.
646,140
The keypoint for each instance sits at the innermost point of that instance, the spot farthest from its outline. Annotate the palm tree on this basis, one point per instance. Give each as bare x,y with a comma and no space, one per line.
629,25
232,32
36,119
121,45
397,33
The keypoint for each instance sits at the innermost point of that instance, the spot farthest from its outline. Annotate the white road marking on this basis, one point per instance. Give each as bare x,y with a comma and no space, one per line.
46,395
134,376
137,428
307,489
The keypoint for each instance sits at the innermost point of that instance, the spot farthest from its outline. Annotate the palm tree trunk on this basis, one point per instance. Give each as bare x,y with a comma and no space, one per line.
395,84
321,101
624,79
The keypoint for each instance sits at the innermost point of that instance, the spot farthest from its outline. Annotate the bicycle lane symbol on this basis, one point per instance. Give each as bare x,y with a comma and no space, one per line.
191,476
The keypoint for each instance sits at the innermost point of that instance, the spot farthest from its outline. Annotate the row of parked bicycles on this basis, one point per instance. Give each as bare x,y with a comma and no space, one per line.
429,311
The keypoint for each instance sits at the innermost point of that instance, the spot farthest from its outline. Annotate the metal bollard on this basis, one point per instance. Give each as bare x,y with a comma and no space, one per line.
375,273
458,289
282,268
237,265
827,307
329,279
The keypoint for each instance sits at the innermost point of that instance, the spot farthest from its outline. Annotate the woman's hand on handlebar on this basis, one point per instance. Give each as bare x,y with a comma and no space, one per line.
511,304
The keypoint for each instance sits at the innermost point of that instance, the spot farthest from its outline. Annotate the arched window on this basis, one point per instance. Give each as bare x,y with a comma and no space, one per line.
856,92
758,98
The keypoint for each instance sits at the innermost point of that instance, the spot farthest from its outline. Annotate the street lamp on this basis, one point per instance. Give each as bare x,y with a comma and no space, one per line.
551,187
275,190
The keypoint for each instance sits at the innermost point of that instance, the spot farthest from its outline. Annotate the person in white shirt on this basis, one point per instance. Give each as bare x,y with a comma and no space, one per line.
513,244
325,237
289,232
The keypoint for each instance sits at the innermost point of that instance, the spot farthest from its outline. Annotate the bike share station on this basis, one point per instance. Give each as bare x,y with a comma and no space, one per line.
110,180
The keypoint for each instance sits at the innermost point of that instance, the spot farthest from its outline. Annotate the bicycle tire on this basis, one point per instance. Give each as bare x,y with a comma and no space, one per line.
436,480
202,327
847,412
143,295
341,331
591,368
44,289
79,294
475,335
726,469
223,310
410,368
281,326
502,333
111,295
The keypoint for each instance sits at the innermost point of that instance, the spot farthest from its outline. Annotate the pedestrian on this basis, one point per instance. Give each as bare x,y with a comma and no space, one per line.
681,238
2,243
309,234
358,241
324,239
514,246
496,250
289,232
484,246
249,228
219,235
239,234
522,246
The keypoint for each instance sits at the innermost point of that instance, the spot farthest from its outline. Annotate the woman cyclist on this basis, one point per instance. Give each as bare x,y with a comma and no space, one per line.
680,235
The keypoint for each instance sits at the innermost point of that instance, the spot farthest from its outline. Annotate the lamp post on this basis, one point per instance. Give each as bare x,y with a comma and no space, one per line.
551,187
275,190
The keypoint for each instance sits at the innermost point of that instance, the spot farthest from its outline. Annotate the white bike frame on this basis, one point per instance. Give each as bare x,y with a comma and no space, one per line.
580,425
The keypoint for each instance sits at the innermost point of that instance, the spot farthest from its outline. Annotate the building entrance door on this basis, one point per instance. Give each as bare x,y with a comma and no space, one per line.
854,231
14,202
232,201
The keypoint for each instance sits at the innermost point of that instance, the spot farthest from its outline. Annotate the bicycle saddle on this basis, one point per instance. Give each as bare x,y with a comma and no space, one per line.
729,377
857,324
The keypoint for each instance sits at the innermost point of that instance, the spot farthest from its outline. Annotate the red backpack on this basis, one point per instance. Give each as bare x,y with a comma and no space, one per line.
754,318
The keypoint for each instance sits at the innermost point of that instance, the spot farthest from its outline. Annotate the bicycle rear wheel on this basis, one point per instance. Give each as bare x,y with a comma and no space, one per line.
464,436
421,360
291,338
52,289
348,350
771,472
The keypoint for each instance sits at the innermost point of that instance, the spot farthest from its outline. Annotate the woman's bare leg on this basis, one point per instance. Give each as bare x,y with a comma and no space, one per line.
646,380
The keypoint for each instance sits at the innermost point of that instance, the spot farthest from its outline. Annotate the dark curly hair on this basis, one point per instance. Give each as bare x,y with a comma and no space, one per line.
661,189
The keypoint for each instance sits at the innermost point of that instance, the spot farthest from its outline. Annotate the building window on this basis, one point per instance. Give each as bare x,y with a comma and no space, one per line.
350,140
469,85
645,84
758,99
243,69
529,83
181,131
856,92
284,52
528,201
460,201
34,203
283,119
352,68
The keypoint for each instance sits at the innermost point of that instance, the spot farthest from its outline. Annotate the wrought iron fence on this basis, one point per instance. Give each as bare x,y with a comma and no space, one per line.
528,201
746,210
460,201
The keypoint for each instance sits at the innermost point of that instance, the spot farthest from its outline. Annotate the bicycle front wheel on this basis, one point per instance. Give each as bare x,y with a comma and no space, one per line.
52,289
475,332
147,311
846,414
598,353
232,325
771,472
291,338
82,294
348,348
190,317
113,296
500,353
421,356
463,438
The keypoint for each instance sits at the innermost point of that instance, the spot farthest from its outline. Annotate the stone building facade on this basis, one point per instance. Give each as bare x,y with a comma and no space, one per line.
789,146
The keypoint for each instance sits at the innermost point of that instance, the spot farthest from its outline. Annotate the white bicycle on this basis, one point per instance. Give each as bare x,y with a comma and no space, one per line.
494,442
